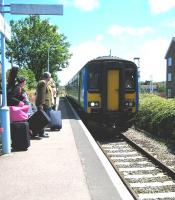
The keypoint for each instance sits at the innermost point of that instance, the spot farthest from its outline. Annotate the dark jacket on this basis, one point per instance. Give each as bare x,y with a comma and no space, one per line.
14,96
40,93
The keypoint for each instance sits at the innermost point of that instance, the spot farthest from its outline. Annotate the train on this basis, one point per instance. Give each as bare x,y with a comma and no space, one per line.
105,90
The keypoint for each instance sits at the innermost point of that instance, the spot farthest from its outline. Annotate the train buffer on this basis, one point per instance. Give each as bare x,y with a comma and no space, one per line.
66,166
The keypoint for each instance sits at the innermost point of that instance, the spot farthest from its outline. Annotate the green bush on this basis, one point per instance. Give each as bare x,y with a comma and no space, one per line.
156,115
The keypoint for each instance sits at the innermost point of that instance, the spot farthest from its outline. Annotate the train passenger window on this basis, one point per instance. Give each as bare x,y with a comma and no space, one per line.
130,79
94,81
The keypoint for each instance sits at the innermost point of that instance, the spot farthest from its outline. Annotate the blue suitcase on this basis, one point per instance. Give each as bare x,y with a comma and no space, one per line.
56,121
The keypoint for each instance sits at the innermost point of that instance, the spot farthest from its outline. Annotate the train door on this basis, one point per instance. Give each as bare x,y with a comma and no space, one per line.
112,90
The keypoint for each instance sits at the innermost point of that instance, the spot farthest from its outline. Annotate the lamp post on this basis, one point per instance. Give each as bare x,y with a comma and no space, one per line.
138,82
138,65
48,54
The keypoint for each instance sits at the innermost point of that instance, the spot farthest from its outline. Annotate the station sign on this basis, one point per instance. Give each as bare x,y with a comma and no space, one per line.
36,9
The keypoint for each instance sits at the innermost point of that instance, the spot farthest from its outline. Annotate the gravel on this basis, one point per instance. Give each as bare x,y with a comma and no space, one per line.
153,145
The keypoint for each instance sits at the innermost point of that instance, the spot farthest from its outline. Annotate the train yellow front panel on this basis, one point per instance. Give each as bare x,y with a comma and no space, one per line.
94,97
131,97
113,90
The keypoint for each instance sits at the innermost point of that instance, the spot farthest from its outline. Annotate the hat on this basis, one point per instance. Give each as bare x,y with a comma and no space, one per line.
20,79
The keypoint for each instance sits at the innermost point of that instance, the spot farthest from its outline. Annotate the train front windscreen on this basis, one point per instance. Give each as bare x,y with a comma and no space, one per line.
130,83
94,79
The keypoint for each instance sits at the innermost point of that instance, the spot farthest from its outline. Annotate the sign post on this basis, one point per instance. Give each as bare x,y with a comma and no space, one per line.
4,111
24,9
36,9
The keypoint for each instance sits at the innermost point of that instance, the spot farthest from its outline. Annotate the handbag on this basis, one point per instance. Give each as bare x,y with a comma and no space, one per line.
18,113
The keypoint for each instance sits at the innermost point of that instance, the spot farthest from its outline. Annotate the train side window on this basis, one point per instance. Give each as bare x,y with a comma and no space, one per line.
94,82
129,79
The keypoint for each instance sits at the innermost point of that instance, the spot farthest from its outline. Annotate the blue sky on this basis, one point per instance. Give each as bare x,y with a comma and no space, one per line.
130,28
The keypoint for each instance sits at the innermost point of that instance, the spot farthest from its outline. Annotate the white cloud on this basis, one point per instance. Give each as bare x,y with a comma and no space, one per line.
152,59
116,30
151,54
99,37
81,55
158,6
86,5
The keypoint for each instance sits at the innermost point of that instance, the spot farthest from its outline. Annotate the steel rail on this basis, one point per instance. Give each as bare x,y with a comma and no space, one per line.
156,161
134,195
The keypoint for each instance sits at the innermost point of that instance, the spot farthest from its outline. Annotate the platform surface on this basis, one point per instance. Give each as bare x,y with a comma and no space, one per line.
61,167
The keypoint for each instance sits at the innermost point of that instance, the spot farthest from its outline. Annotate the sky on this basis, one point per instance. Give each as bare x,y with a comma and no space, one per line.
128,28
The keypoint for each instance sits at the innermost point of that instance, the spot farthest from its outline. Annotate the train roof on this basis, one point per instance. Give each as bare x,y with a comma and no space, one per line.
106,58
109,58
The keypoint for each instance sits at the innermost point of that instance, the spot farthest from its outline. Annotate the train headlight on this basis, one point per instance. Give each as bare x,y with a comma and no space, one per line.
126,103
129,103
93,104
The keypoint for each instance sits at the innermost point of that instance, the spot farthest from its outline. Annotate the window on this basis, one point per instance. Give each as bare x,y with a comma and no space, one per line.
94,81
169,78
94,77
169,93
130,79
169,62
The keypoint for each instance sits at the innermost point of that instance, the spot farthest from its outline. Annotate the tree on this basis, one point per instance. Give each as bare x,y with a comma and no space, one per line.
30,78
31,40
28,75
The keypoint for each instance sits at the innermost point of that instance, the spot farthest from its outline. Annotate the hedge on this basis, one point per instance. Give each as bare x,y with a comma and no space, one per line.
156,115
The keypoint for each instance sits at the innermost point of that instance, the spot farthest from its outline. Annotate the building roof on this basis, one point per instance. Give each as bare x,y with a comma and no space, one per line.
172,41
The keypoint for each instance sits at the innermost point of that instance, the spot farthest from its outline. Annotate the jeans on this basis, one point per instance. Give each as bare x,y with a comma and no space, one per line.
47,110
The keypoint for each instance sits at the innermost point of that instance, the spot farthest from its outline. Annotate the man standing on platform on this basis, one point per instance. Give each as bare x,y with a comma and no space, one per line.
43,97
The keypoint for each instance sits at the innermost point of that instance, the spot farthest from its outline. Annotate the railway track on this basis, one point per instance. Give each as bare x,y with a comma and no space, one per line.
146,177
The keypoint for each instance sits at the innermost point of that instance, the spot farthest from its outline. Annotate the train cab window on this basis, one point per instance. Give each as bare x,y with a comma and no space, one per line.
94,82
130,80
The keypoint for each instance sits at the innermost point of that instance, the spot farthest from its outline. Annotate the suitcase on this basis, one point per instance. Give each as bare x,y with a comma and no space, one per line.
38,121
20,135
56,121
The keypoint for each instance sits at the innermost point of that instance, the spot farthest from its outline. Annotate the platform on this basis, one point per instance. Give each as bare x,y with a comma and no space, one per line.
66,166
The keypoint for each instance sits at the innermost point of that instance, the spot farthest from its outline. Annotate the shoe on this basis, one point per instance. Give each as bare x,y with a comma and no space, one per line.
40,134
35,137
44,136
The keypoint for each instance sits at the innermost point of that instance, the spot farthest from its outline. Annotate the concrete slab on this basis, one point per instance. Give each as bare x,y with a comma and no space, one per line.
49,170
